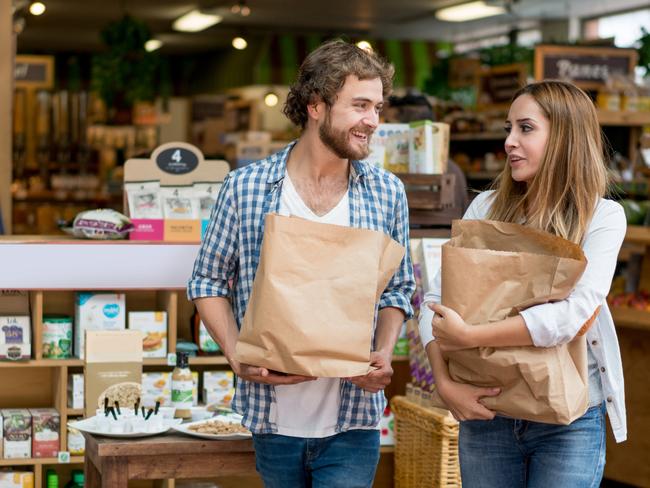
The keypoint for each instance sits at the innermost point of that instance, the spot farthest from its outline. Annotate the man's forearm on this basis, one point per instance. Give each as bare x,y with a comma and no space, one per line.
217,315
389,323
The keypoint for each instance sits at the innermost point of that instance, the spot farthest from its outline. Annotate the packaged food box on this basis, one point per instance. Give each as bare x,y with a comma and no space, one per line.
97,311
428,147
45,432
195,388
218,388
76,442
76,391
16,479
17,427
387,428
156,387
57,336
154,332
15,340
206,342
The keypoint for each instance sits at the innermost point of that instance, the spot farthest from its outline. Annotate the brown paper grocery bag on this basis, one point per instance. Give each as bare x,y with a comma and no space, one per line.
312,308
492,270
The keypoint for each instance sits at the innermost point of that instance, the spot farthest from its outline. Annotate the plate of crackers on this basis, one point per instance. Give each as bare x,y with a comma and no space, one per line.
221,427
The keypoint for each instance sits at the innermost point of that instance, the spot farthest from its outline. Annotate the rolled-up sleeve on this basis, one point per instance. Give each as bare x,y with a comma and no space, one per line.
402,285
556,323
216,262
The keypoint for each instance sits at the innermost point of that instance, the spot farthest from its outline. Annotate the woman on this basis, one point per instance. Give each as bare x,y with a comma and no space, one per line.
555,180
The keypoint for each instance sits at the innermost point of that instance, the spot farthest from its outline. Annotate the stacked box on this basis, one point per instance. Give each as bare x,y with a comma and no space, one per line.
156,387
97,311
218,388
17,426
16,479
45,432
76,442
154,332
15,343
76,391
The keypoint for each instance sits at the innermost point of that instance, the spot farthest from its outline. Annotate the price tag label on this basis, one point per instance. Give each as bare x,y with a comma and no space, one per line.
171,359
64,457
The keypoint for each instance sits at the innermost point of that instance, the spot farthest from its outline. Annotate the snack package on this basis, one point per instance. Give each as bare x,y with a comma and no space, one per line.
144,200
179,203
45,432
154,332
207,195
102,224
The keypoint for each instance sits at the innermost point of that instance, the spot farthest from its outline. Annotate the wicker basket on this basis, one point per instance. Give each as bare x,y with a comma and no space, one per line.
426,446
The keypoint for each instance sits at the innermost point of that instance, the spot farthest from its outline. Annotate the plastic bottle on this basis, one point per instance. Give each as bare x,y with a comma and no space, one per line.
77,480
52,479
182,386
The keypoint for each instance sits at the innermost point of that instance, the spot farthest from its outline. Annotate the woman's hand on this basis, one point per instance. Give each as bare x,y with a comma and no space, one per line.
463,401
450,330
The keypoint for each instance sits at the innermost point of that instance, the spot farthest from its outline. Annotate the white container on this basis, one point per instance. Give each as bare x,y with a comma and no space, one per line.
97,311
76,391
154,332
57,337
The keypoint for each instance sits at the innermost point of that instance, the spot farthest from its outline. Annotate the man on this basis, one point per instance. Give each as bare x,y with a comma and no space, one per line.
319,432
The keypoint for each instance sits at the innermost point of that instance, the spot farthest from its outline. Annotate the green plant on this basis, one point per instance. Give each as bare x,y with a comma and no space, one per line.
126,72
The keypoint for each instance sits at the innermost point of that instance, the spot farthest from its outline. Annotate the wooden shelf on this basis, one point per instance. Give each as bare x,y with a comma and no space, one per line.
386,449
482,175
625,119
75,412
631,318
400,358
479,136
38,461
55,363
638,234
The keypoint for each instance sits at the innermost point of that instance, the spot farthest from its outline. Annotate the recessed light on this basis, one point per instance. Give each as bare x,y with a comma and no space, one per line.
153,44
37,8
468,11
365,45
195,21
239,43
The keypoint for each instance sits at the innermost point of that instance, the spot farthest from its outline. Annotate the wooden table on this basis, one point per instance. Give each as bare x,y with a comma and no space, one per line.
110,463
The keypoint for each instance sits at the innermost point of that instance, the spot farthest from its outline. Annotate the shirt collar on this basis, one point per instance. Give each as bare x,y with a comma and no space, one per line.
279,167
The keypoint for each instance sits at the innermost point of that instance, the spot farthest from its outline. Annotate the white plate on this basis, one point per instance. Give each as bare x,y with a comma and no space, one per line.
232,418
89,425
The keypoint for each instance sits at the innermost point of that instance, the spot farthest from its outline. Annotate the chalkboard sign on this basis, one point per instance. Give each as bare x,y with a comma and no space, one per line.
587,67
34,71
497,85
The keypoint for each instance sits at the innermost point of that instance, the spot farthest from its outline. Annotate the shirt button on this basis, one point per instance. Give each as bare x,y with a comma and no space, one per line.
594,343
609,399
602,369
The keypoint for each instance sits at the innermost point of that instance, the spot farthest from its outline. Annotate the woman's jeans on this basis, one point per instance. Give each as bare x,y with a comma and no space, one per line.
345,460
508,453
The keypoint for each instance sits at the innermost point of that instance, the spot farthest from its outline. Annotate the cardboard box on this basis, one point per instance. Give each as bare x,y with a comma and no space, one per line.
156,387
112,357
428,147
17,426
383,156
15,342
76,391
97,311
218,387
76,442
16,479
45,432
153,326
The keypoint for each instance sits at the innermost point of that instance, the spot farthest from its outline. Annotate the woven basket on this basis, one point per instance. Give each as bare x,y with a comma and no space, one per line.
426,446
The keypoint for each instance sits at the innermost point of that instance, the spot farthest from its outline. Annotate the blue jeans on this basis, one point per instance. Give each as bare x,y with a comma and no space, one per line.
345,460
505,452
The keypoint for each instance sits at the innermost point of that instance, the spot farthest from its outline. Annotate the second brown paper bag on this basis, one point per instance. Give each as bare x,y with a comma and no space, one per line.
492,270
312,307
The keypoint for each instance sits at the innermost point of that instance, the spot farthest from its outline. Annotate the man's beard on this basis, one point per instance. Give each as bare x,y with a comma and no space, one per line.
338,140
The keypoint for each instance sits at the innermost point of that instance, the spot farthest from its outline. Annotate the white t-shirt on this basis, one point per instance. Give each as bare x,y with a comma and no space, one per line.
309,409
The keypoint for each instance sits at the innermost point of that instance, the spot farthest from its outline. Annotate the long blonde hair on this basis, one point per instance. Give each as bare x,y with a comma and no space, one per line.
572,176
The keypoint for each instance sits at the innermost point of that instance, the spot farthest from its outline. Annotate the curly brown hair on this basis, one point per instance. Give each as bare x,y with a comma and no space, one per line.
324,72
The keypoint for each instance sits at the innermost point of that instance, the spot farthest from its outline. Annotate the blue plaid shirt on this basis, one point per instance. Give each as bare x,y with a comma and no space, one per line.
231,251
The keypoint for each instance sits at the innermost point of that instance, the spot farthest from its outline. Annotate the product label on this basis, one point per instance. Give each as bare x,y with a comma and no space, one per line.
182,394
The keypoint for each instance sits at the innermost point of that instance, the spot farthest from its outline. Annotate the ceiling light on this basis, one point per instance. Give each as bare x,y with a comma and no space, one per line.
195,21
271,99
468,11
153,44
245,11
239,43
37,8
235,8
365,45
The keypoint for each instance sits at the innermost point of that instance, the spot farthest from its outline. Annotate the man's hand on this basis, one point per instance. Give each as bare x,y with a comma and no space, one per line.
263,375
451,332
464,401
378,379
